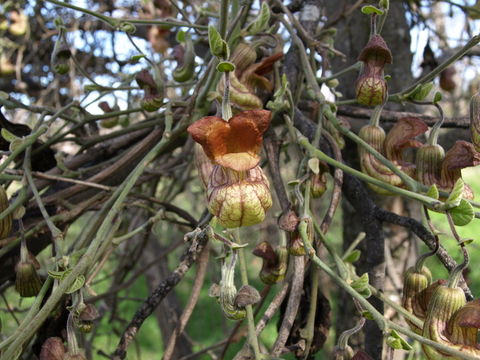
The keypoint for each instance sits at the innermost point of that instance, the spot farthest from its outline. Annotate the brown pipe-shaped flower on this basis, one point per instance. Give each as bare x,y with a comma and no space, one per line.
375,137
428,161
248,77
413,283
461,155
371,88
238,191
275,262
153,97
443,305
400,137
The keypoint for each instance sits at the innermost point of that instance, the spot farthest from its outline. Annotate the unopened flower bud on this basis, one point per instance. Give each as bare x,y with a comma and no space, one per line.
153,98
27,281
429,164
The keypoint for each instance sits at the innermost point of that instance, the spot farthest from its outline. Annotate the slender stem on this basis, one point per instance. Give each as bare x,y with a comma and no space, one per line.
222,25
104,18
410,194
252,337
226,108
376,114
353,67
116,22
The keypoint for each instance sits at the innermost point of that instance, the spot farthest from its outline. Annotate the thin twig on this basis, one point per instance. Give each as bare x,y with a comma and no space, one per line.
292,305
192,301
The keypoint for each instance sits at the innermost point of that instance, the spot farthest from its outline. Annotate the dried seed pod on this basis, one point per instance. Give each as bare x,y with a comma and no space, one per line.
238,198
88,314
27,281
6,222
295,245
371,88
275,263
247,295
53,349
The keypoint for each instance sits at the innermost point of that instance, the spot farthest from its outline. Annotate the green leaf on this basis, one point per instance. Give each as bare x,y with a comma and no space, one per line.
394,343
15,144
77,284
404,345
433,192
217,45
456,193
466,241
361,285
437,97
7,135
422,91
226,66
180,36
136,58
353,256
370,9
367,315
261,22
59,274
463,214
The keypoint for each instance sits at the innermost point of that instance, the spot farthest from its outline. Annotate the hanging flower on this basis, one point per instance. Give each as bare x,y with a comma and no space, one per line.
248,77
400,137
371,87
238,192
